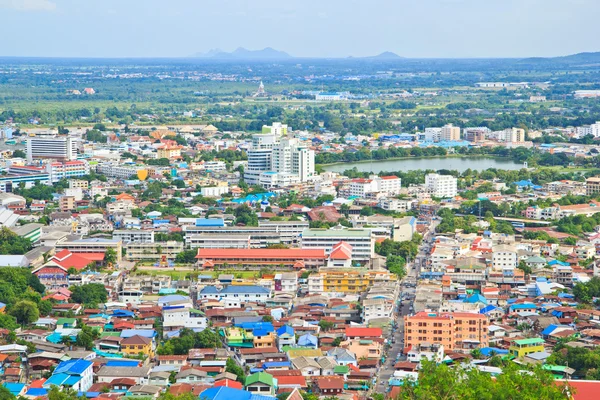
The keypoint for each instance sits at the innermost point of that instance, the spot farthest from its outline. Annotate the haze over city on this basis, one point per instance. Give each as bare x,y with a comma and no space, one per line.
302,28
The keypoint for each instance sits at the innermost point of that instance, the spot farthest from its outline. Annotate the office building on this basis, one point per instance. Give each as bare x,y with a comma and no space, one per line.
115,170
450,133
354,280
361,240
58,147
259,258
441,185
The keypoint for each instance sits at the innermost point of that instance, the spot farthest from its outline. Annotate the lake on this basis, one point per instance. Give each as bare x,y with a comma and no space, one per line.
435,163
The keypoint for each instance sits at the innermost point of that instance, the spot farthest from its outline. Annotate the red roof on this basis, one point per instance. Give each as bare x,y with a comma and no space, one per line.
364,332
67,259
292,380
291,254
228,383
584,390
341,251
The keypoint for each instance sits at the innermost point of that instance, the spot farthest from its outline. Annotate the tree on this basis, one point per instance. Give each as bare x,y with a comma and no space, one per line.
26,312
11,243
8,322
19,154
267,318
442,382
45,307
85,337
91,293
232,367
186,257
110,256
325,325
5,394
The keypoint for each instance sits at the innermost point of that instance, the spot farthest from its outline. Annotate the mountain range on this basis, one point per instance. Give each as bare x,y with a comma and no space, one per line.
270,53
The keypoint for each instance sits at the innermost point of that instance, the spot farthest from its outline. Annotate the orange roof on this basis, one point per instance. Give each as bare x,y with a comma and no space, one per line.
363,332
290,254
341,251
228,383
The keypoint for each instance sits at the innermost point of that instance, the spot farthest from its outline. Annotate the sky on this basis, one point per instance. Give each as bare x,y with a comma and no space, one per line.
303,28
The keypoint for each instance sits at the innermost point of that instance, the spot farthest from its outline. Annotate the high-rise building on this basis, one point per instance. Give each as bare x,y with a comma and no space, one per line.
514,135
441,185
276,161
450,133
58,147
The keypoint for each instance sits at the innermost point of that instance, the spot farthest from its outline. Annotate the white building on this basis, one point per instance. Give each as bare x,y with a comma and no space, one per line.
514,135
433,134
67,170
59,148
134,235
278,162
441,185
115,170
214,191
277,129
361,240
504,257
180,315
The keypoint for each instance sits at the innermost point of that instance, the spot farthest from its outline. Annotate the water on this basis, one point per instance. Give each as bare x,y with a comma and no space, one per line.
434,163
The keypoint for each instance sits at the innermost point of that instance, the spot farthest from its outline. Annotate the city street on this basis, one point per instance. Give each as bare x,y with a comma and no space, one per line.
396,340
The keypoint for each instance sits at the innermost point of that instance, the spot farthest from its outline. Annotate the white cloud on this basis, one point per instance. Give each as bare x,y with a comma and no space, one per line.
28,5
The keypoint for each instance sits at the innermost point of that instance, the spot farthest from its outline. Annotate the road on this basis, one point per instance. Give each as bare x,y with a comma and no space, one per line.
405,307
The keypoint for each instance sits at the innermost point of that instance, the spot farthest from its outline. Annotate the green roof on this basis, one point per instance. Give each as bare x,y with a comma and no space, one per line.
261,377
341,369
62,321
114,334
530,341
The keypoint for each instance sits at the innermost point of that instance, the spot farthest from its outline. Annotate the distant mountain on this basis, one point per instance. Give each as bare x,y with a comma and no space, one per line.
240,53
579,58
387,55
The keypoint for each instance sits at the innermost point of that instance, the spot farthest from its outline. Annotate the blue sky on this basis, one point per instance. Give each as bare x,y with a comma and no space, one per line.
304,28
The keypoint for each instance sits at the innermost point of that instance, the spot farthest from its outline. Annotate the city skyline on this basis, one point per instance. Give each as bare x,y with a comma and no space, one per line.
426,29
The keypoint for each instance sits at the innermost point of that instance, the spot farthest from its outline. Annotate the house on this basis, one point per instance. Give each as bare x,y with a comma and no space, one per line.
179,361
137,344
76,374
285,337
159,378
151,391
308,340
193,375
523,347
261,383
307,366
363,333
342,356
329,385
107,374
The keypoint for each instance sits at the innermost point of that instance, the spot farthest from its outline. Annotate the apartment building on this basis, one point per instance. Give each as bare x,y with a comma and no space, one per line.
504,257
441,185
361,240
134,235
455,331
67,170
115,170
450,133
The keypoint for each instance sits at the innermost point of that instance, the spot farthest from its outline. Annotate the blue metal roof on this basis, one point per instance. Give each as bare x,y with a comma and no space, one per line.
209,222
14,388
122,363
285,329
487,351
149,333
36,392
73,367
245,289
225,393
56,380
307,340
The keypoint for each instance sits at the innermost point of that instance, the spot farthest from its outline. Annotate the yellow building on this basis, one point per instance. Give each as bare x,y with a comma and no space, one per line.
520,348
266,340
136,344
170,152
355,280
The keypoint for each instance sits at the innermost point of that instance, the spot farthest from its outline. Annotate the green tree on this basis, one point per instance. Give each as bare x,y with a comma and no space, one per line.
91,293
19,154
186,257
25,311
110,256
232,367
8,322
86,336
325,325
5,394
